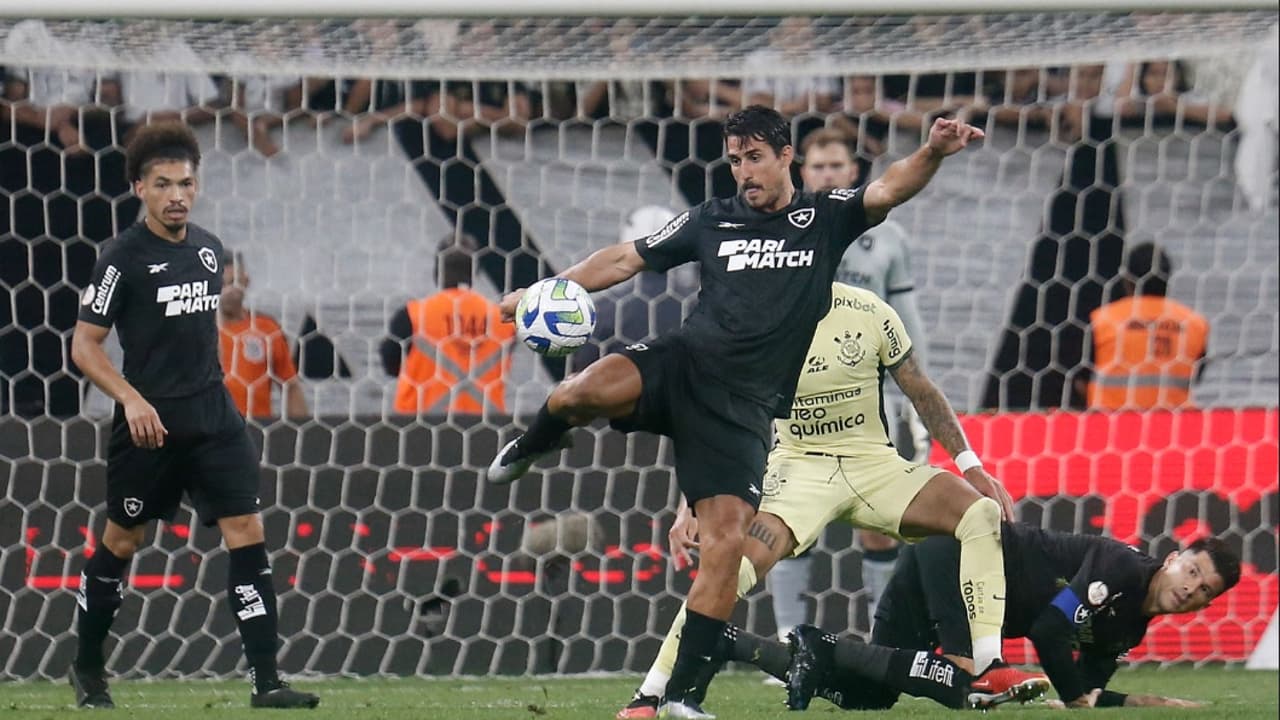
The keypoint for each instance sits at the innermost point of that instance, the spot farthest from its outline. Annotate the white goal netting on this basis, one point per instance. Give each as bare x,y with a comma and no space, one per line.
341,156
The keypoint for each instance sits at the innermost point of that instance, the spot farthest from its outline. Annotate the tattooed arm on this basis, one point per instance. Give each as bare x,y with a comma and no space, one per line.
936,414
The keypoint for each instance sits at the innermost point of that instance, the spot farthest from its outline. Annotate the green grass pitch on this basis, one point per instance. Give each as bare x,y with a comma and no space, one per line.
1231,693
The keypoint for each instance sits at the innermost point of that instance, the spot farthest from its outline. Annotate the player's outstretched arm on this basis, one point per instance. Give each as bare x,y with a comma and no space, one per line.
941,422
88,354
908,176
602,269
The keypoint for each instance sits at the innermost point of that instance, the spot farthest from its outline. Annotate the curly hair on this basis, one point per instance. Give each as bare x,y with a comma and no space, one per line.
162,141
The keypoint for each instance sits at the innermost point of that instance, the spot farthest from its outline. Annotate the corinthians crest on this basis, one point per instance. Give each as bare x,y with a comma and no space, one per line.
851,351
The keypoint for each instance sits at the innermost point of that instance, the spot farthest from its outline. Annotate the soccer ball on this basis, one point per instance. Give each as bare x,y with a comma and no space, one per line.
555,317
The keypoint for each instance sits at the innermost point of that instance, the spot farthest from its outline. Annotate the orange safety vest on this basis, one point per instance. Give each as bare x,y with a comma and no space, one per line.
1145,351
254,354
458,356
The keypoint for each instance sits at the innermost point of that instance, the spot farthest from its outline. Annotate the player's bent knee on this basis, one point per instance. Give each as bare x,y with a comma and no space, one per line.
980,519
123,542
241,530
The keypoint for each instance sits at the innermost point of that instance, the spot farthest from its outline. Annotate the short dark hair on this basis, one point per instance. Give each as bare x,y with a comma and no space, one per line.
823,137
1224,560
455,267
158,142
758,122
1149,268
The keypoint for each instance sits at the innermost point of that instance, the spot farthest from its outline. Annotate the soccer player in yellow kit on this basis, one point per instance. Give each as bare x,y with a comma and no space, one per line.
834,461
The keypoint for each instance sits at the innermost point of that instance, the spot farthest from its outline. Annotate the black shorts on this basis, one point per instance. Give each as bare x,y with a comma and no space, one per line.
721,439
921,607
207,454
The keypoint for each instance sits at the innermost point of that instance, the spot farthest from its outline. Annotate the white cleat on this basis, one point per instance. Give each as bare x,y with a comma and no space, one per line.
686,710
510,465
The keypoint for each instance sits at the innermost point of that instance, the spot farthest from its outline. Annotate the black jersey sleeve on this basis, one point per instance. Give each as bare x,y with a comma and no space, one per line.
850,215
1051,634
102,299
675,244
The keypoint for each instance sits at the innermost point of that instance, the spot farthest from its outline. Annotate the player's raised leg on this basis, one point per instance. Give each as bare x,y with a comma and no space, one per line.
607,388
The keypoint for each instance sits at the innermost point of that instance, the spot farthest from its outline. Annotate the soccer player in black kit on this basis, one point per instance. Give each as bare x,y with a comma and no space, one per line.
175,427
1066,593
768,256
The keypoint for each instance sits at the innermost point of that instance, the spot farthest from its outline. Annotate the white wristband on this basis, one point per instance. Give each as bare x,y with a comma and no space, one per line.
968,460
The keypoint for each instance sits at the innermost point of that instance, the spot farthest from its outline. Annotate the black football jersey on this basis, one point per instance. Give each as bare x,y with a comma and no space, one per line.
1108,579
162,298
766,282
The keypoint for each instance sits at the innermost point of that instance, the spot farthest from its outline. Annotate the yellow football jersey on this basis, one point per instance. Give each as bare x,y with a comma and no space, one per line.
838,408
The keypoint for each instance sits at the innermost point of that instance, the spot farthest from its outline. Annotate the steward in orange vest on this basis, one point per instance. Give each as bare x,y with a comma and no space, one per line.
451,350
1147,348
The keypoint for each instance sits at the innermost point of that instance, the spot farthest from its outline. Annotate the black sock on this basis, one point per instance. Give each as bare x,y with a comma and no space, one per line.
924,674
544,433
695,658
253,604
101,590
769,655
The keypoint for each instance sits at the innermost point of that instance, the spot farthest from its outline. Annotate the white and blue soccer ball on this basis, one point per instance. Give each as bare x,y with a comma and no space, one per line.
555,317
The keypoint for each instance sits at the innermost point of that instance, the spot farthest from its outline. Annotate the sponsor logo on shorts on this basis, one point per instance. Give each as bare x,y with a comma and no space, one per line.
132,506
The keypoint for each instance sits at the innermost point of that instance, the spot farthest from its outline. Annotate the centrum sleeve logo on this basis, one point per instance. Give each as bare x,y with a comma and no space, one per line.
106,289
842,194
671,228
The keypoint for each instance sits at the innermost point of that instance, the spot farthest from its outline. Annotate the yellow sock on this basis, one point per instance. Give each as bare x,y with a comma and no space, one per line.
655,681
982,583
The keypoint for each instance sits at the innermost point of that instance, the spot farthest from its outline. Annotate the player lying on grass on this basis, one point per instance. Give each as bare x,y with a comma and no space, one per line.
1065,592
834,461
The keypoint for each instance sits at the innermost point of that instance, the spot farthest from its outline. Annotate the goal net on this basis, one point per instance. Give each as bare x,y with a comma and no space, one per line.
341,156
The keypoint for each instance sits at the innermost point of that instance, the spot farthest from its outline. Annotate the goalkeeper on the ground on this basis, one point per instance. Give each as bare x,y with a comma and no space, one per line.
834,461
1067,593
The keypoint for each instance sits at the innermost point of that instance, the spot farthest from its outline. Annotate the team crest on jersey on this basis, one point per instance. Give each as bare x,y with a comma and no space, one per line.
851,350
209,259
132,507
801,218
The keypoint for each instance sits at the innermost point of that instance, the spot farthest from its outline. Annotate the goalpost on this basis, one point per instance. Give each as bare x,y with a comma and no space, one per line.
536,132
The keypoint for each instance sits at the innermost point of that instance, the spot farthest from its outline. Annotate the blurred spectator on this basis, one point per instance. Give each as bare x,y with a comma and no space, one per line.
1146,348
253,350
450,350
182,95
1016,100
793,95
46,101
623,99
1161,89
1256,115
374,103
